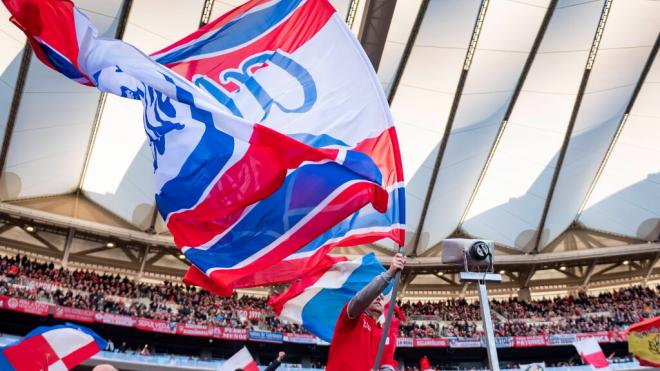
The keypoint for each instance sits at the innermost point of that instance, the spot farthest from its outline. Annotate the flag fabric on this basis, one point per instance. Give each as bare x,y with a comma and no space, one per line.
234,193
53,348
241,360
295,67
592,354
316,301
644,341
424,364
533,367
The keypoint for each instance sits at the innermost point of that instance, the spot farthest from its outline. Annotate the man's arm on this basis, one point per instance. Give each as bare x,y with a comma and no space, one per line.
276,363
360,302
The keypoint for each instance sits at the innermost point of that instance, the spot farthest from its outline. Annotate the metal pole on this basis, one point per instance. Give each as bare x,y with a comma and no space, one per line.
488,327
388,321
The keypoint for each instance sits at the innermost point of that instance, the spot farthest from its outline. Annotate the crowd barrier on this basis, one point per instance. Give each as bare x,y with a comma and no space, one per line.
226,333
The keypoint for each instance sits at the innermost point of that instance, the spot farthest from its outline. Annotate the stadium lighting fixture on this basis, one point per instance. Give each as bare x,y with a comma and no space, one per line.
562,268
502,271
626,262
440,274
110,244
182,257
476,258
29,228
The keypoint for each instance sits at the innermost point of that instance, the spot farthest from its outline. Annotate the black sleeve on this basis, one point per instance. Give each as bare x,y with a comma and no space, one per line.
273,365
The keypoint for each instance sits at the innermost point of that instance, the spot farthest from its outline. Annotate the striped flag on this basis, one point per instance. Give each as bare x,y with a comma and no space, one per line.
242,360
253,187
295,67
591,353
316,301
52,348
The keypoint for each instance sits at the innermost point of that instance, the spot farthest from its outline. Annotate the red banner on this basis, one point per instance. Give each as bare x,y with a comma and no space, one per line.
230,333
601,336
152,325
431,343
189,329
115,319
24,306
529,341
74,314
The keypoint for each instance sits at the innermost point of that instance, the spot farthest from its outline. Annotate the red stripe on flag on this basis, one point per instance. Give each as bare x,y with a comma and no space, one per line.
384,150
252,366
297,30
32,354
277,302
258,174
350,199
79,355
286,270
214,25
597,360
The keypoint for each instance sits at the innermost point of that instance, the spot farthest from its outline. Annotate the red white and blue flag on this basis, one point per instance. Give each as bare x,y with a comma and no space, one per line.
316,301
294,66
55,348
272,140
242,360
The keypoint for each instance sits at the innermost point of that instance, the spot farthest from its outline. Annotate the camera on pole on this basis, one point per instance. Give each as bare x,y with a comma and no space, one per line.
477,258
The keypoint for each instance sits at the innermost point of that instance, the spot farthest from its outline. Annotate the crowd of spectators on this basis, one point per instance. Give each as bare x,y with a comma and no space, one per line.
449,318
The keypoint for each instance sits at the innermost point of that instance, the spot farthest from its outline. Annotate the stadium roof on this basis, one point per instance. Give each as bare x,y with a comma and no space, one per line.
534,123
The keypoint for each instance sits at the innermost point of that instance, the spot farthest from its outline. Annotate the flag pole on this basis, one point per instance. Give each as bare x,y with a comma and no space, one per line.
388,320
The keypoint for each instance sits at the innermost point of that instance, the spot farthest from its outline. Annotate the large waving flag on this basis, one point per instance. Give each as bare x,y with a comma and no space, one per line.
644,341
316,301
238,196
295,67
53,348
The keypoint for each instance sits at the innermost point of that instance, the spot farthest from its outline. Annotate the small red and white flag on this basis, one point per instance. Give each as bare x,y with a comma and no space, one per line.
424,364
241,360
592,354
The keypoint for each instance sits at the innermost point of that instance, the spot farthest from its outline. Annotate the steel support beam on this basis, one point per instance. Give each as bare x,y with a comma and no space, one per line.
143,262
408,49
205,18
571,124
622,123
476,30
509,110
119,34
374,29
67,247
15,104
649,269
589,274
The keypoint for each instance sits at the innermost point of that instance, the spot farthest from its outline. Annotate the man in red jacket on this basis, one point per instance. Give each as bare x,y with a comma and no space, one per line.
358,332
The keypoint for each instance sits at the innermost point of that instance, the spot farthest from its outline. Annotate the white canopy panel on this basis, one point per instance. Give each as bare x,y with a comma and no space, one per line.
403,20
426,91
621,57
119,176
510,201
626,199
12,41
482,107
56,116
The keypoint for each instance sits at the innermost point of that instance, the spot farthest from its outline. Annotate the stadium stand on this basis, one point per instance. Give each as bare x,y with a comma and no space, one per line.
178,303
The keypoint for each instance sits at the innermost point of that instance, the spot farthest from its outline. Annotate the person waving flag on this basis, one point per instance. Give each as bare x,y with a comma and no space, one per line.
244,193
